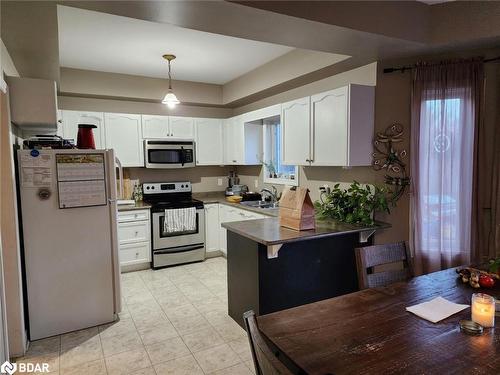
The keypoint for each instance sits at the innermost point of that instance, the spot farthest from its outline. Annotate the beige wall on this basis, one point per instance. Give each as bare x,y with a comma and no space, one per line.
9,223
10,238
284,68
364,75
203,179
129,106
102,84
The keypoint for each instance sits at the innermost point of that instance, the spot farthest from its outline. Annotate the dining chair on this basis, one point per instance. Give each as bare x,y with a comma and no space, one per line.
369,257
264,360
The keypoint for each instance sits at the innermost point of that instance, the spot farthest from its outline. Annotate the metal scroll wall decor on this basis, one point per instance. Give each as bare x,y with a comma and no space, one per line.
388,157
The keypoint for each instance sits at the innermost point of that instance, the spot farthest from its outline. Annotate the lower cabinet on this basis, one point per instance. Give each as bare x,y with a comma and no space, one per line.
212,227
228,214
134,238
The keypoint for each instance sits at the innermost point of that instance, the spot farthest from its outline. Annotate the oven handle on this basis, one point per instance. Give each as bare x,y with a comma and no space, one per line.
184,249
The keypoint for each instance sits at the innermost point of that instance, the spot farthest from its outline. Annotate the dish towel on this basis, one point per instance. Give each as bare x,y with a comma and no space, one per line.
180,220
436,309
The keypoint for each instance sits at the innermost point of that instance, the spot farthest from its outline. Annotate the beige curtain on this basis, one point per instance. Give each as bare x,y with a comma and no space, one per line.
486,235
446,101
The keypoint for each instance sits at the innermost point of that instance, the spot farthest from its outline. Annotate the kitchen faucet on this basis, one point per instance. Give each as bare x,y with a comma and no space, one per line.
273,194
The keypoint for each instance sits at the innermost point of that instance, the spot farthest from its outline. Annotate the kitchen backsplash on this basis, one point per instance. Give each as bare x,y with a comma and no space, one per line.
202,178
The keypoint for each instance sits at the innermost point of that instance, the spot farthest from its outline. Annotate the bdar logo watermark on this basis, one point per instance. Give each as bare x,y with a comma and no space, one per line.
8,368
11,368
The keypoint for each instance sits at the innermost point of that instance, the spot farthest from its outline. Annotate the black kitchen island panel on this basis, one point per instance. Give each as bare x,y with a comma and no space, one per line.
304,271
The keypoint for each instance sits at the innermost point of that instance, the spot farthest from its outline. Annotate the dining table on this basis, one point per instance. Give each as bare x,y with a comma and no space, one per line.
370,332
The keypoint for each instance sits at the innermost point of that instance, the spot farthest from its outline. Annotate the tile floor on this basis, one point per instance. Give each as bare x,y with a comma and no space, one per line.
174,321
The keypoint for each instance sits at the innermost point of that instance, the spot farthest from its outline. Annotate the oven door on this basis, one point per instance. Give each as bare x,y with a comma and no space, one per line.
161,154
169,241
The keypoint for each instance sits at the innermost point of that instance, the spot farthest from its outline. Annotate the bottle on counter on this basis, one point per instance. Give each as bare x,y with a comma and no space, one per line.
137,194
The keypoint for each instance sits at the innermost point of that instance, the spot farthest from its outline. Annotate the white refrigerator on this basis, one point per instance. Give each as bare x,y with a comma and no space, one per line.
68,206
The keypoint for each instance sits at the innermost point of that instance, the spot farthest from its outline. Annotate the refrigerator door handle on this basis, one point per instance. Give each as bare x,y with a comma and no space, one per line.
118,164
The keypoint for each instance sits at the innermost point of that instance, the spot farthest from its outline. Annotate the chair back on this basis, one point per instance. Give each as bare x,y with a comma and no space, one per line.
371,256
264,360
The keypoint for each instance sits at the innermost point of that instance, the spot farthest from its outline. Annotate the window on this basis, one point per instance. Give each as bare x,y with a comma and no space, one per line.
274,171
445,186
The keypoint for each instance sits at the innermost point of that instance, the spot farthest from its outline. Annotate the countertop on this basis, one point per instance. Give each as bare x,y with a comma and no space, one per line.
269,232
138,206
219,197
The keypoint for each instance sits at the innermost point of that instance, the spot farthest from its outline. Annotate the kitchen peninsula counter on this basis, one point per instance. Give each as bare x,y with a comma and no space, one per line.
271,268
269,232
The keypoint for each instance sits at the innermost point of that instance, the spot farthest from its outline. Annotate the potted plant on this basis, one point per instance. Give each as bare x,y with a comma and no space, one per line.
270,168
354,205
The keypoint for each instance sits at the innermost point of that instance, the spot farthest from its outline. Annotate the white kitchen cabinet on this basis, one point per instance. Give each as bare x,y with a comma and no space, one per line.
181,127
242,142
229,214
123,134
155,127
337,132
212,227
295,120
330,127
342,126
134,239
209,141
165,127
71,119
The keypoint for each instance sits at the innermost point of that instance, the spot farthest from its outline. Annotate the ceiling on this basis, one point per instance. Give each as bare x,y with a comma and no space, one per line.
109,43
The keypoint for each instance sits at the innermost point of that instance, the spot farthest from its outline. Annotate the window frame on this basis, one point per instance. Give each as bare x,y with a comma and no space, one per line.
273,180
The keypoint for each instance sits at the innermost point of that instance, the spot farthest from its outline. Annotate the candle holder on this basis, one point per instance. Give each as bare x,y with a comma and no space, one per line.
483,309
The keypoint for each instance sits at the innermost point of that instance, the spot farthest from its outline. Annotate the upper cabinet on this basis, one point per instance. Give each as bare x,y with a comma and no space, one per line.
295,135
155,127
337,131
123,134
242,142
71,119
164,127
209,141
181,127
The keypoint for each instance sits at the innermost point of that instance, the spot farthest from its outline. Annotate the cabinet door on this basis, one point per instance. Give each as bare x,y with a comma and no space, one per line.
155,126
296,132
234,142
329,128
222,231
209,142
71,119
123,134
135,253
181,127
212,227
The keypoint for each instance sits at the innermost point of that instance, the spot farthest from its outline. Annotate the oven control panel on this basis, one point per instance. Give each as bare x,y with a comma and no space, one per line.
166,187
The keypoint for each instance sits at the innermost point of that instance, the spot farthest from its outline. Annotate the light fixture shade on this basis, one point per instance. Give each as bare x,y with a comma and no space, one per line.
170,99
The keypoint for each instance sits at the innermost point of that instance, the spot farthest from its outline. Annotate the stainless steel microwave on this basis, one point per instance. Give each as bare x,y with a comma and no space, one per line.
159,153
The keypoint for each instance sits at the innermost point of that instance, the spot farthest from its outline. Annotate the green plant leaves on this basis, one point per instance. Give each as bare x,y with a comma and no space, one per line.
353,205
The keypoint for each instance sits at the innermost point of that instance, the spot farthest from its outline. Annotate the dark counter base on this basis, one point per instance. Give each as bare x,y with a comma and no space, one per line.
304,272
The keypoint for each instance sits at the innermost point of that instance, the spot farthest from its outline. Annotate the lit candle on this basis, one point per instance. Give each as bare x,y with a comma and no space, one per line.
483,309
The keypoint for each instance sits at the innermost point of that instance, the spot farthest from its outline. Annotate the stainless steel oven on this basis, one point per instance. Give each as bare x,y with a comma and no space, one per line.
177,246
169,154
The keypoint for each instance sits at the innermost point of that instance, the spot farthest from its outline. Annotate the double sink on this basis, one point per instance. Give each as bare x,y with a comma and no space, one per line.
260,204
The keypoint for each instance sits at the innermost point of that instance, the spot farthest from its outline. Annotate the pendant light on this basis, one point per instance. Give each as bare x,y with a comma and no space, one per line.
170,99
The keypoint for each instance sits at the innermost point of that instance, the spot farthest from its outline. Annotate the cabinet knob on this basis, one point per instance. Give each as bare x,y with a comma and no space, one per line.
136,255
234,161
307,160
136,233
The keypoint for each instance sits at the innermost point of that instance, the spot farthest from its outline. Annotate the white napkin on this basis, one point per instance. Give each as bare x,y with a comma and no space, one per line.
437,309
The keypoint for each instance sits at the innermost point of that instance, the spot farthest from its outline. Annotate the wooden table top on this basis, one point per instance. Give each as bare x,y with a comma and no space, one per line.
370,332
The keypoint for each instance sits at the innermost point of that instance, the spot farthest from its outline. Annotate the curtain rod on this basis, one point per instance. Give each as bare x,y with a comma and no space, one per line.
402,69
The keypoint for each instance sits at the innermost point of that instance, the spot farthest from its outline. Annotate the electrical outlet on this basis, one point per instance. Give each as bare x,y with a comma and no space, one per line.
256,183
219,181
